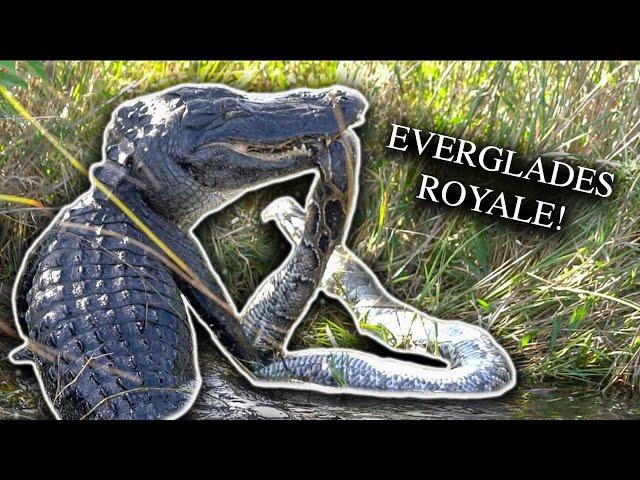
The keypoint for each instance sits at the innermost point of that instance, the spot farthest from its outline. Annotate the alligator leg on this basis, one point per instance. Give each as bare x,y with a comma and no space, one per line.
107,329
202,287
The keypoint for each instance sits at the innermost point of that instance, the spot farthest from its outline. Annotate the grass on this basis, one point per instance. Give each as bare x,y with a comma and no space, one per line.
565,305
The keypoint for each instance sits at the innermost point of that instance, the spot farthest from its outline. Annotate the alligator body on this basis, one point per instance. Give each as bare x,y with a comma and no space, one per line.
103,296
108,318
98,304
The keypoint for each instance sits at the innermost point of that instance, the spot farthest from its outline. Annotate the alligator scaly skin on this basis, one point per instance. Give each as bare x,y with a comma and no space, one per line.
109,317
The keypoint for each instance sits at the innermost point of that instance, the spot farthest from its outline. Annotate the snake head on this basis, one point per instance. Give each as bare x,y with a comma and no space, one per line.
288,215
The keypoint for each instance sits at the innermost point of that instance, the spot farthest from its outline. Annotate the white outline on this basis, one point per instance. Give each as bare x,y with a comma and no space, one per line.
405,394
191,311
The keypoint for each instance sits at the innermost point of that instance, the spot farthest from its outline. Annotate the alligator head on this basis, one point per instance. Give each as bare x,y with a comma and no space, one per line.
193,148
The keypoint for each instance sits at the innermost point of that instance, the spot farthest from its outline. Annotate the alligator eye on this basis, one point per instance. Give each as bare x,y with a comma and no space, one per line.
235,114
202,120
201,114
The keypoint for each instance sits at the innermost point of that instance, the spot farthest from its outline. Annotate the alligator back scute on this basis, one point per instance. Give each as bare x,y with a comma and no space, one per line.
110,334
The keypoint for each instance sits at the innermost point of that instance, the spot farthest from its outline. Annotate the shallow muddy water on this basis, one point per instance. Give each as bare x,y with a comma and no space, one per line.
226,395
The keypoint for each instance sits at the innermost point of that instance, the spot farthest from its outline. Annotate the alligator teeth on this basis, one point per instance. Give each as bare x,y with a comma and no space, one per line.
301,150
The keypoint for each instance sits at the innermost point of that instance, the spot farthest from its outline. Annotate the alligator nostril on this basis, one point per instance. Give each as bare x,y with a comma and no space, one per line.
338,95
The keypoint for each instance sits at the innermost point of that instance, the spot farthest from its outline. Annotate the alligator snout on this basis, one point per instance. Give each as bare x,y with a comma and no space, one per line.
324,112
351,103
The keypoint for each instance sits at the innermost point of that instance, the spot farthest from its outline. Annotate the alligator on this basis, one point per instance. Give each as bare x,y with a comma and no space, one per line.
105,297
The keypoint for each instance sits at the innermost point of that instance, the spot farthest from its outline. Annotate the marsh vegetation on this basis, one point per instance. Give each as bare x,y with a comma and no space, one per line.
565,304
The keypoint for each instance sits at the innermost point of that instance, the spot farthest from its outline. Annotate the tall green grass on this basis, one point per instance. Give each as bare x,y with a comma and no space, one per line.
565,305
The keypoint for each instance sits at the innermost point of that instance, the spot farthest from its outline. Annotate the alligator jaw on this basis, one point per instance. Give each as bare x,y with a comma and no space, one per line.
296,148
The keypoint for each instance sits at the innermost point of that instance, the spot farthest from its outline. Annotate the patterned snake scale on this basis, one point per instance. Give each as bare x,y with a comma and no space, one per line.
105,310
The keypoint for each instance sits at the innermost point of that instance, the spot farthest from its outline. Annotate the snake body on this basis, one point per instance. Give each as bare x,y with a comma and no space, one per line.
103,309
475,364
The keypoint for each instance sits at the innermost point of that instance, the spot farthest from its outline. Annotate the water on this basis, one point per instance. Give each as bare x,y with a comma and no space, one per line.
226,395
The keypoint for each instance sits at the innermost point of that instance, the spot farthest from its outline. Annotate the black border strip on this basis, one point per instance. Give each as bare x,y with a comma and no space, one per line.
401,32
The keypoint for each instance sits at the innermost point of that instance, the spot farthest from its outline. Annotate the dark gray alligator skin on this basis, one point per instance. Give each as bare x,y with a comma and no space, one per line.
102,314
106,304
